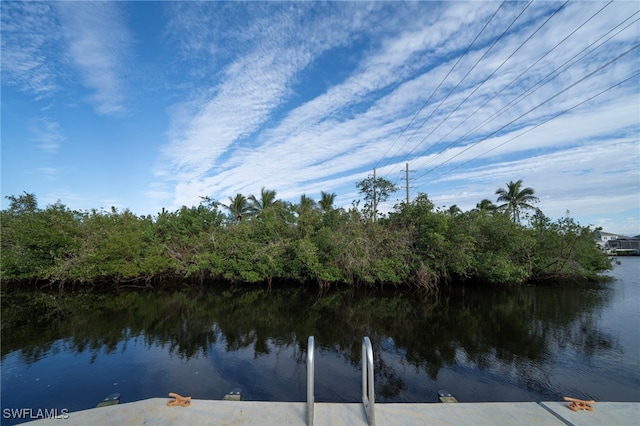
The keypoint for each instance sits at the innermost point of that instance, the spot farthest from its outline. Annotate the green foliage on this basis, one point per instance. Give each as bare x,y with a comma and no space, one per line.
266,201
375,191
516,199
326,201
35,240
566,249
416,245
237,207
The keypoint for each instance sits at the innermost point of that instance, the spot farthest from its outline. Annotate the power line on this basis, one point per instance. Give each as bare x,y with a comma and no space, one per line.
539,84
492,74
537,125
465,76
519,76
536,107
436,89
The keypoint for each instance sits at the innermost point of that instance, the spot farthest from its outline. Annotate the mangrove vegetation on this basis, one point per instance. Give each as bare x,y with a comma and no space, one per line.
263,239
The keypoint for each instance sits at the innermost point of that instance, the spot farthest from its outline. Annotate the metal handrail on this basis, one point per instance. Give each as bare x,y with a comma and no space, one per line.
368,391
310,381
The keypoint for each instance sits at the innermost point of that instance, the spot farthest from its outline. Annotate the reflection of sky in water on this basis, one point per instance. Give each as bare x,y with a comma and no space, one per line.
622,315
139,367
621,318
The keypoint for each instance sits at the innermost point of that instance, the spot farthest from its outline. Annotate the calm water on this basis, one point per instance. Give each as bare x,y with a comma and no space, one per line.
480,344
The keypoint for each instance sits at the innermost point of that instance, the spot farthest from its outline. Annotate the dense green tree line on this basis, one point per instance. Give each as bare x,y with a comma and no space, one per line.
262,239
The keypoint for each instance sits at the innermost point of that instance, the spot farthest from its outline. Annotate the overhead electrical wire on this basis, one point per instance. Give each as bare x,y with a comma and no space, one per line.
441,82
523,95
540,83
518,77
535,108
438,87
537,125
463,78
472,68
491,75
538,106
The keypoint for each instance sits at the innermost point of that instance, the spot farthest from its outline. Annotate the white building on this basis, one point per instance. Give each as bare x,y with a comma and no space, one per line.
618,244
603,238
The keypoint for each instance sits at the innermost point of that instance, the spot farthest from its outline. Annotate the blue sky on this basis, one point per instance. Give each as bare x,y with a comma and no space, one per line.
145,105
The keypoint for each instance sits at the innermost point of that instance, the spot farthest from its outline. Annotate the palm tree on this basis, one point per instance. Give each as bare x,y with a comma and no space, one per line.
326,201
267,199
486,206
454,210
306,204
237,206
515,199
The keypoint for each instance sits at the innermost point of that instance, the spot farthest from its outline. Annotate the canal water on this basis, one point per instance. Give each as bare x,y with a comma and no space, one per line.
480,343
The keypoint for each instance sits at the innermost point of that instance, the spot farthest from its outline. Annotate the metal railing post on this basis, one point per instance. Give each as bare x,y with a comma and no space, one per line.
368,390
310,381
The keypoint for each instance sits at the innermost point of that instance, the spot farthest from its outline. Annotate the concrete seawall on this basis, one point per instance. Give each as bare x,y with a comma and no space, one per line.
214,412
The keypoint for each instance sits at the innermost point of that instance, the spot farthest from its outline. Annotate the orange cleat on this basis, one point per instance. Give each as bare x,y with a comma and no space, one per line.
184,401
579,404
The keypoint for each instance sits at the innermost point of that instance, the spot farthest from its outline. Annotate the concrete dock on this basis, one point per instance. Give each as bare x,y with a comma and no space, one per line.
227,413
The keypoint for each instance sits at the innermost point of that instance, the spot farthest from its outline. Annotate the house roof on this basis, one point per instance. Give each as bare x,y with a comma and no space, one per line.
607,234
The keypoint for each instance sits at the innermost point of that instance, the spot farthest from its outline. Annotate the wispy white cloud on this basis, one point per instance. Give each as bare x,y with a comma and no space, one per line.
99,45
29,37
253,86
50,173
46,134
580,179
583,127
38,37
312,124
303,97
256,127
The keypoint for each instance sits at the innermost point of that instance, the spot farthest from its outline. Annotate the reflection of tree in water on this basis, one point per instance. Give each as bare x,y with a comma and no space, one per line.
388,384
518,331
511,329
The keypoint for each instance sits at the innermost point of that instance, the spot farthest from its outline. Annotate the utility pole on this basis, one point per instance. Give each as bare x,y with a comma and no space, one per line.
374,194
407,173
